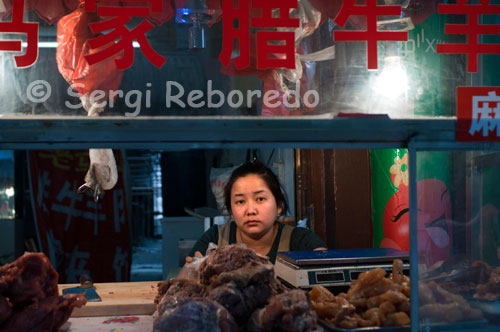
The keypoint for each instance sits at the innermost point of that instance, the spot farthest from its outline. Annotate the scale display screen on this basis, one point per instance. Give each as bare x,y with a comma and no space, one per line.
329,277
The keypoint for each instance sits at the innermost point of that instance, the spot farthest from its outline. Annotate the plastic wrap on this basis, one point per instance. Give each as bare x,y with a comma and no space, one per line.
49,11
73,34
192,269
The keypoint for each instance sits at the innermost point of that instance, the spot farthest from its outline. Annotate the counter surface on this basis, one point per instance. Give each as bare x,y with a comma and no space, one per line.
141,323
119,298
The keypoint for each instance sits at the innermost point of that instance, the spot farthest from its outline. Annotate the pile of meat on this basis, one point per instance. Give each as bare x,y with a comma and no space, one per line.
29,297
372,300
479,280
235,290
440,305
491,288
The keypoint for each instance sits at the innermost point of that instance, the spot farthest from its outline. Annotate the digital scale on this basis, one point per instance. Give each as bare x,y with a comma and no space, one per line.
304,269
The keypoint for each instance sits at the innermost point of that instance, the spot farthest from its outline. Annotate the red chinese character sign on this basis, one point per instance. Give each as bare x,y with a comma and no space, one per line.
473,29
478,114
120,38
17,25
371,35
80,236
275,49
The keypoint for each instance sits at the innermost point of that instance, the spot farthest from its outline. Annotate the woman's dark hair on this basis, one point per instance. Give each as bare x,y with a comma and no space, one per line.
271,180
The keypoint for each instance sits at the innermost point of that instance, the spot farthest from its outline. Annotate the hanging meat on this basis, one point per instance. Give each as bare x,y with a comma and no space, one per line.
73,34
29,297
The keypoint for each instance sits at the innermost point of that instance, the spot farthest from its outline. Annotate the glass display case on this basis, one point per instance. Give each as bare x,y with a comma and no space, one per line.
454,236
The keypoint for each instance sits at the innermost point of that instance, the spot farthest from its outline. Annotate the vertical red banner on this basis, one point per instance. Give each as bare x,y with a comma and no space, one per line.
478,114
79,235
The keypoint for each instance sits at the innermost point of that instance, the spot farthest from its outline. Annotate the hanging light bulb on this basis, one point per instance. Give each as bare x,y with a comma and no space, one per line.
9,192
392,82
390,87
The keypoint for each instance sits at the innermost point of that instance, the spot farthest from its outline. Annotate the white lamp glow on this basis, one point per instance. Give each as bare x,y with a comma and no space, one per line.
9,192
393,80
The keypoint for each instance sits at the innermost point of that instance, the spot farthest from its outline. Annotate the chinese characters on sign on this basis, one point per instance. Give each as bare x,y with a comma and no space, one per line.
78,234
275,49
17,25
118,17
274,41
478,114
472,29
371,35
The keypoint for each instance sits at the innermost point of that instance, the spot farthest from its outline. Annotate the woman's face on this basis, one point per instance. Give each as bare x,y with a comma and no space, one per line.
253,205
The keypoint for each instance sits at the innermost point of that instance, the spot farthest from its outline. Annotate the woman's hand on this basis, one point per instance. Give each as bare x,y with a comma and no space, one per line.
189,259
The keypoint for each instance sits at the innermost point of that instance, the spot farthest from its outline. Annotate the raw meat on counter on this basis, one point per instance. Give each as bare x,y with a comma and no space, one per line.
29,297
238,282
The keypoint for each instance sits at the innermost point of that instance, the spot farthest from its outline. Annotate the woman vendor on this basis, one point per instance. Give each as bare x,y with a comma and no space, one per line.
255,199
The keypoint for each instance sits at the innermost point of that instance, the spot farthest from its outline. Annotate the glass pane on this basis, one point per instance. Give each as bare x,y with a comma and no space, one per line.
7,207
458,201
175,66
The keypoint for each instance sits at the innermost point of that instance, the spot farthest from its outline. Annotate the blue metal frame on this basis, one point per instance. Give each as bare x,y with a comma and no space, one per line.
218,132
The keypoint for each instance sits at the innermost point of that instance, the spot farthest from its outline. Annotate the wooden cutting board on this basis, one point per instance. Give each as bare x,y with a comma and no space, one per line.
119,299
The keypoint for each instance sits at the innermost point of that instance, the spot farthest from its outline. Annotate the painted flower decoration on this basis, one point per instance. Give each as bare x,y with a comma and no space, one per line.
400,170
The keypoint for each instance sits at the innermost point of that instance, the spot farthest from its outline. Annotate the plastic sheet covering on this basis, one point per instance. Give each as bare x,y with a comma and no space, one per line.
50,11
73,34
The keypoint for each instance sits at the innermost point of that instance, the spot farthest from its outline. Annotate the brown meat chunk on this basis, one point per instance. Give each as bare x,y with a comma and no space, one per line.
179,287
370,283
193,315
375,316
397,319
226,259
239,279
29,299
27,279
45,316
490,289
328,306
5,309
397,271
289,311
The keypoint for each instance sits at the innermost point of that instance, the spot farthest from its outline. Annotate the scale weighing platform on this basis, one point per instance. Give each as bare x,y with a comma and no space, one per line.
304,269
